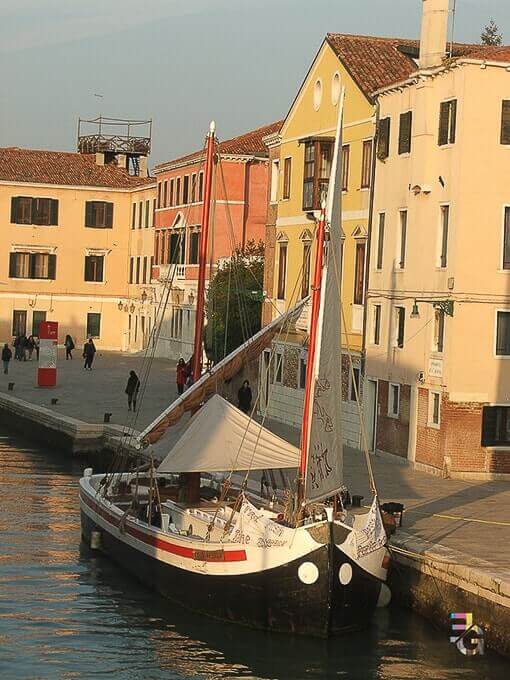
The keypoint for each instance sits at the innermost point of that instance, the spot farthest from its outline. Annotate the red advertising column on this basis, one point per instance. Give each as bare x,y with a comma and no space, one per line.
48,341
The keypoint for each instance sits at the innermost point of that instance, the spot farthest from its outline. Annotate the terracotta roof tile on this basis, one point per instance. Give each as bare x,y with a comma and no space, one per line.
376,62
62,168
249,143
491,53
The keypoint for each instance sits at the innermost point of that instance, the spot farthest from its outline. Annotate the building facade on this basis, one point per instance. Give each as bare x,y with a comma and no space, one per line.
65,243
238,216
438,333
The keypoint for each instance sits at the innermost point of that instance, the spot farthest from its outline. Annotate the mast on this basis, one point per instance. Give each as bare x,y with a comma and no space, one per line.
310,378
204,240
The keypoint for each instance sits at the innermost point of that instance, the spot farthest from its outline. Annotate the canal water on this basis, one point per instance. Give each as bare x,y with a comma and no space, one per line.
68,613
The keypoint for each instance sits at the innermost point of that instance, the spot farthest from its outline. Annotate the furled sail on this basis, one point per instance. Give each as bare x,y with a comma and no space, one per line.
324,468
224,370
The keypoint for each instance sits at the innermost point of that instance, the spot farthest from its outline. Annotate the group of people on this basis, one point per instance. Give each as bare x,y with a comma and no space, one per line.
24,347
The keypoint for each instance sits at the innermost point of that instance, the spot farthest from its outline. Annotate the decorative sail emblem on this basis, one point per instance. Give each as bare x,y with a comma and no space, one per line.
324,469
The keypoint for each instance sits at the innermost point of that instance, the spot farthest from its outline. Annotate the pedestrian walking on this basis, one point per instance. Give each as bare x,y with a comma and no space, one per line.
17,347
30,346
69,345
244,397
180,375
132,387
89,350
6,357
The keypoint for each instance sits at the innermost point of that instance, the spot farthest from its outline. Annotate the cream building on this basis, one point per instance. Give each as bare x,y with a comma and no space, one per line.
438,337
66,241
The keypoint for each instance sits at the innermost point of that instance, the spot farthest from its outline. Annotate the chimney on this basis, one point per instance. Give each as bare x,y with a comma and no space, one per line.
100,158
434,33
122,160
143,172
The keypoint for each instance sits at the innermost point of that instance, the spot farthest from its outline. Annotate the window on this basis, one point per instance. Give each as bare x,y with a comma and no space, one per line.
275,174
346,150
137,279
400,320
131,268
354,377
503,334
506,239
505,122
404,132
99,214
171,192
153,212
282,270
278,367
447,122
177,247
37,318
178,191
94,266
305,282
496,426
402,240
393,400
439,318
193,187
159,197
93,325
165,193
32,266
445,219
201,186
359,274
302,372
366,164
185,189
144,275
28,210
133,217
383,138
380,241
194,243
147,213
318,157
376,325
434,419
287,169
19,322
176,323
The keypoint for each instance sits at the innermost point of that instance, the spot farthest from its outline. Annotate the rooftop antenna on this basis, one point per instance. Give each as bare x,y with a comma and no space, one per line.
454,7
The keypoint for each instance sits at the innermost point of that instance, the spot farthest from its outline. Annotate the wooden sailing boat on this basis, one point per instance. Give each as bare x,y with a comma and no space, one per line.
305,567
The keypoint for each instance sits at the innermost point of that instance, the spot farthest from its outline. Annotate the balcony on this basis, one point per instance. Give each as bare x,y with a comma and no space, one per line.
172,272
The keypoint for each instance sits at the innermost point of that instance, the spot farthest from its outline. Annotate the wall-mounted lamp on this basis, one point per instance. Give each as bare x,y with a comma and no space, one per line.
132,308
120,306
143,297
415,312
446,306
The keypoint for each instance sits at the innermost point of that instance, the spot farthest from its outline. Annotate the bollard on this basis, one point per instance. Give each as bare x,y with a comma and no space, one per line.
10,387
107,417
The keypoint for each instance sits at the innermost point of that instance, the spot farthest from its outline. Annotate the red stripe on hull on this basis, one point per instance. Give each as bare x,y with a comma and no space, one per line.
166,546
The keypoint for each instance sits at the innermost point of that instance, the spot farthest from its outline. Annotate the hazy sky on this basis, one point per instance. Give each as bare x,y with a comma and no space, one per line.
181,62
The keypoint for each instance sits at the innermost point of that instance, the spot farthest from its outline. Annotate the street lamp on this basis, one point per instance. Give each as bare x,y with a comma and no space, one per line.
120,306
143,297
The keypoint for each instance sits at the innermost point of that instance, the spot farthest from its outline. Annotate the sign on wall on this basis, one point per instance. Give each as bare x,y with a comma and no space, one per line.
436,368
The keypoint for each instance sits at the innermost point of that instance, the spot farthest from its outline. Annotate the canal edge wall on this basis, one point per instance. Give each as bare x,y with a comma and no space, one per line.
435,581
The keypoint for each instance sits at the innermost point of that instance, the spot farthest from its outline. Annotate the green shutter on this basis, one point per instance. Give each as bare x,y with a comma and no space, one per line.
52,266
89,214
505,122
109,215
489,415
443,123
12,265
54,211
453,121
15,210
383,139
100,265
88,268
404,136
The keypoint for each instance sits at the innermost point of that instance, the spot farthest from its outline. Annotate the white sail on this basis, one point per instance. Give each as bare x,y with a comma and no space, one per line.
324,470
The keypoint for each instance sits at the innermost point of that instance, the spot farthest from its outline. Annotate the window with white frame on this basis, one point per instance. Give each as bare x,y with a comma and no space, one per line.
506,239
393,400
503,333
434,419
400,320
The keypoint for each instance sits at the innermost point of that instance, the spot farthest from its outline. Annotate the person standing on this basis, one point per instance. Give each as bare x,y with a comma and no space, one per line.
37,344
6,357
180,375
244,397
24,347
69,345
89,350
132,387
17,347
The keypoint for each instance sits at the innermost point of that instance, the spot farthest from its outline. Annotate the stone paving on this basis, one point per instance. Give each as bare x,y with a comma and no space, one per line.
471,517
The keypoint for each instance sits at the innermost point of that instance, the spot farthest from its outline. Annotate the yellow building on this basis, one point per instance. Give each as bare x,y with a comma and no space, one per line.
299,180
65,240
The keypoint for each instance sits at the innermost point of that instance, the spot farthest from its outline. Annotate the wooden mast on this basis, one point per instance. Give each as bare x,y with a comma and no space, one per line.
196,368
312,346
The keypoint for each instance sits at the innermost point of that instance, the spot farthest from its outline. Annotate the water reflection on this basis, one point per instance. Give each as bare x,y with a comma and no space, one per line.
68,613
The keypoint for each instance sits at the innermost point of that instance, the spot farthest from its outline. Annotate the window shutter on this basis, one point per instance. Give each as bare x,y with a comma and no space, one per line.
383,141
453,121
13,257
109,215
100,264
15,210
443,123
88,268
404,136
489,415
52,266
505,122
89,214
53,211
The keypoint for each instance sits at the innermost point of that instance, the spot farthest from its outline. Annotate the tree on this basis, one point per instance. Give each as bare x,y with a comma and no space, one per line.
234,302
491,35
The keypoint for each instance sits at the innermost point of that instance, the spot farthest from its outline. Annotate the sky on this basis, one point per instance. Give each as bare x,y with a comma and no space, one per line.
180,62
